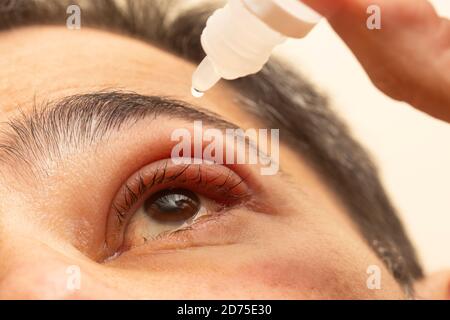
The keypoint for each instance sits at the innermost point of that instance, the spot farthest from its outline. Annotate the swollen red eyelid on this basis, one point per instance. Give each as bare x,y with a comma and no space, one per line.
202,178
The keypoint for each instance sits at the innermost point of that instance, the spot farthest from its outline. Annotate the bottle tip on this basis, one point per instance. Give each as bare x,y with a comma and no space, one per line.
196,93
204,78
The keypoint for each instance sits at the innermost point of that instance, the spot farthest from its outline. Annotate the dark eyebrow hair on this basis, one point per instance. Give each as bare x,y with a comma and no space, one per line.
44,135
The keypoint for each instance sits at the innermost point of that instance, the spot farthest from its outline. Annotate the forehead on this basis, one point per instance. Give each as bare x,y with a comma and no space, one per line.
45,63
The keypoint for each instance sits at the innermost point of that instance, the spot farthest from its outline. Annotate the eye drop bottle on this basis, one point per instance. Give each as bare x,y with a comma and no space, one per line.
240,37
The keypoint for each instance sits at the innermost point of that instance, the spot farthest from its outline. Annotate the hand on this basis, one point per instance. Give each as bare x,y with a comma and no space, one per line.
408,58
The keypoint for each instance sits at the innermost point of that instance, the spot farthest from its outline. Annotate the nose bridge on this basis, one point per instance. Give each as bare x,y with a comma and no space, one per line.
32,268
38,272
29,281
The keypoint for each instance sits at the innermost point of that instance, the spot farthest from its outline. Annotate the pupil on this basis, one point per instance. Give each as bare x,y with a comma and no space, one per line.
172,205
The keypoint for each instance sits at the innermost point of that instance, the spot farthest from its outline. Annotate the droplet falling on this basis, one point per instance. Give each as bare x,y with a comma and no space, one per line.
196,93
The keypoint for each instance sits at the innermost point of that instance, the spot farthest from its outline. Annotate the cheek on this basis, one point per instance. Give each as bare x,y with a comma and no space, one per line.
315,263
304,275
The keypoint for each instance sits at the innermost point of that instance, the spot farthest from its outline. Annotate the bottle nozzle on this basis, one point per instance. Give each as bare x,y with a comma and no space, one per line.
196,93
204,78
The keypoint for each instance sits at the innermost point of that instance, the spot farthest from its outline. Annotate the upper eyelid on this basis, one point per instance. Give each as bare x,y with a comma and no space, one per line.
131,196
44,136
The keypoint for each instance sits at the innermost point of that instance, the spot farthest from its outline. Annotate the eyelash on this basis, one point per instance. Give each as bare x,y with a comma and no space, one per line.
132,197
227,188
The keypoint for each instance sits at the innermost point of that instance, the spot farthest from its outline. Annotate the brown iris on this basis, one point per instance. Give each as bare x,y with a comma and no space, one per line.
172,206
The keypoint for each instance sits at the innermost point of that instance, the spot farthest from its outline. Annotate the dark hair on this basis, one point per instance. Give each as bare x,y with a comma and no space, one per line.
279,97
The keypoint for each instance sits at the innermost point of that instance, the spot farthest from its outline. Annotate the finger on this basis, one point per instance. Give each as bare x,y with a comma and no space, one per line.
328,8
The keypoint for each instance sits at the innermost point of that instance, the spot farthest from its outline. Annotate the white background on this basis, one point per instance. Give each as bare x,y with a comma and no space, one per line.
411,149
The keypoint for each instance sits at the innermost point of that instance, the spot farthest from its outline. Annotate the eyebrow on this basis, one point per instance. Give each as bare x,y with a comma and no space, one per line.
44,135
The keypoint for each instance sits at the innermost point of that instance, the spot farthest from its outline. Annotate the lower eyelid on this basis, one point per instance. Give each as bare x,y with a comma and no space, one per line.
183,234
220,229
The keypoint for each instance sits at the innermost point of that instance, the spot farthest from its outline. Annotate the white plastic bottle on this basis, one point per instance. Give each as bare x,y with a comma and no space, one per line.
240,37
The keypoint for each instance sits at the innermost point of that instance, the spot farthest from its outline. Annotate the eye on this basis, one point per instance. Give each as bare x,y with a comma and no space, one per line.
164,198
165,211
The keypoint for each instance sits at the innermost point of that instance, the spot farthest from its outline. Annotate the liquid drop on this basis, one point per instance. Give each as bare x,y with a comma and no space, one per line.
196,93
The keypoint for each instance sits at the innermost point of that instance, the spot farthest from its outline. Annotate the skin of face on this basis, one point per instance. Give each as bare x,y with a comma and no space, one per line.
304,247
